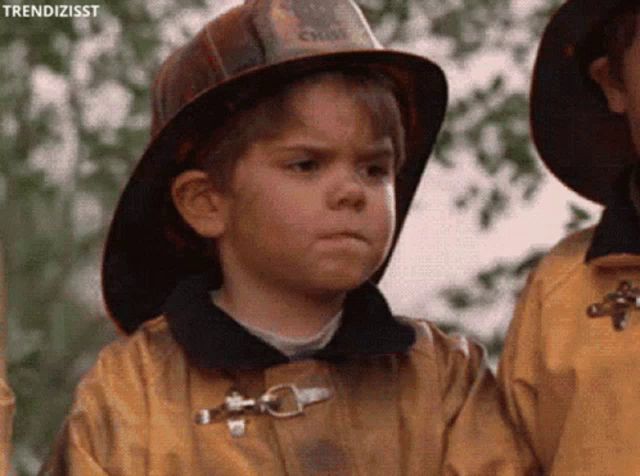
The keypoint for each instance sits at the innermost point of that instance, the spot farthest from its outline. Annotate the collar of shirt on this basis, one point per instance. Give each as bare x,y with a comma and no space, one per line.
295,348
210,338
618,231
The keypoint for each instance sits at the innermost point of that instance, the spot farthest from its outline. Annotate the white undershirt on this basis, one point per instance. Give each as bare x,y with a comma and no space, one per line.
295,348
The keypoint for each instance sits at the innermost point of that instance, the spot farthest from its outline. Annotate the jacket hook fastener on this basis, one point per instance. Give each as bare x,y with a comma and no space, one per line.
280,401
617,305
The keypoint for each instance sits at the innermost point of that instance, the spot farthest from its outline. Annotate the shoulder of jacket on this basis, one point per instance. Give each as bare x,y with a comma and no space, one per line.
432,341
144,351
572,247
564,259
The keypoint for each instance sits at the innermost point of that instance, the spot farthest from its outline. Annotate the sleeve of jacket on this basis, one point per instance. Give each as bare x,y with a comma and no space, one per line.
7,401
106,430
518,369
479,437
7,409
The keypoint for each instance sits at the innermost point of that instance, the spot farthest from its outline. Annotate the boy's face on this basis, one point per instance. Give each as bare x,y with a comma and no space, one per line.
312,210
623,96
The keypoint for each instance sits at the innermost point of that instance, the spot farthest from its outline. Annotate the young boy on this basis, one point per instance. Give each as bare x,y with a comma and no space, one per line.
7,403
570,367
286,148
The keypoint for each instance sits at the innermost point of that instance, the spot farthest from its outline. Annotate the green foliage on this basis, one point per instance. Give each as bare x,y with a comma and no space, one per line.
59,178
579,217
487,285
394,12
488,124
492,119
466,23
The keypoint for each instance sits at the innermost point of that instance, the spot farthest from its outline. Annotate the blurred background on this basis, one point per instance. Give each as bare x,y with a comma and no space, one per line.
74,117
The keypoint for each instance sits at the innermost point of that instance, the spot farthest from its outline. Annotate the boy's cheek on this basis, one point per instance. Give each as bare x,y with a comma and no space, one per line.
386,226
390,200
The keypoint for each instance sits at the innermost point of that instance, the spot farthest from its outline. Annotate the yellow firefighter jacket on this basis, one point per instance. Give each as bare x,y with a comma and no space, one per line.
7,408
571,364
383,398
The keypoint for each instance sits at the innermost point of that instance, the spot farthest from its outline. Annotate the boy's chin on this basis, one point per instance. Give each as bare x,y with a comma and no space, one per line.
342,281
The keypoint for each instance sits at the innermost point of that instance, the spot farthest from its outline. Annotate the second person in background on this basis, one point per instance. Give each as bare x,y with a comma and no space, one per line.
571,364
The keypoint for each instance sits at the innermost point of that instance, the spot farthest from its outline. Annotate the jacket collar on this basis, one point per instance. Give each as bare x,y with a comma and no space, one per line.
616,239
211,339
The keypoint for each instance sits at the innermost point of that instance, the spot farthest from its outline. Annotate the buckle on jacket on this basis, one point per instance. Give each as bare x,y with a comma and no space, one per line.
279,394
280,401
617,305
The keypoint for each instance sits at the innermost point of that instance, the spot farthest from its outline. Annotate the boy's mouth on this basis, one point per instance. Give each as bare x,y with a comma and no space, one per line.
345,235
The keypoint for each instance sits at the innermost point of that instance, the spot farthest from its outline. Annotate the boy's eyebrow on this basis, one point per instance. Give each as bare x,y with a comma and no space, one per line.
380,148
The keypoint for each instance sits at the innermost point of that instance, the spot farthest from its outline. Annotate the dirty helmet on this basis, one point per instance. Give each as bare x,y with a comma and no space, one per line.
261,42
579,139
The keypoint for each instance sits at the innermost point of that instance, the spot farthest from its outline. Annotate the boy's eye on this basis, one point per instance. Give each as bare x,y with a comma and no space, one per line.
377,170
304,166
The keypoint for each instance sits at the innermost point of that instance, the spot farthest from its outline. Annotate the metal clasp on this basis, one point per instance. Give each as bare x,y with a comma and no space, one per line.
302,397
272,402
234,404
617,305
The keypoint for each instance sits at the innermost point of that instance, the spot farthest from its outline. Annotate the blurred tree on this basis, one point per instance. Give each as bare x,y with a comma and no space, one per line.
492,122
74,118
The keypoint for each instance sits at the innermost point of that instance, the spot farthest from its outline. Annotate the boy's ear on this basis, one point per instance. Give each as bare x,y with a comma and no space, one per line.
199,203
613,89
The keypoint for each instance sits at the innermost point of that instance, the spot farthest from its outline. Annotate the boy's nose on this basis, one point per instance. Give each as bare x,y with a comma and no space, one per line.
347,191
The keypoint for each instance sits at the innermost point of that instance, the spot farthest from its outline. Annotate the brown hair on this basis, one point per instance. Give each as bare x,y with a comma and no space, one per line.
614,36
253,121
